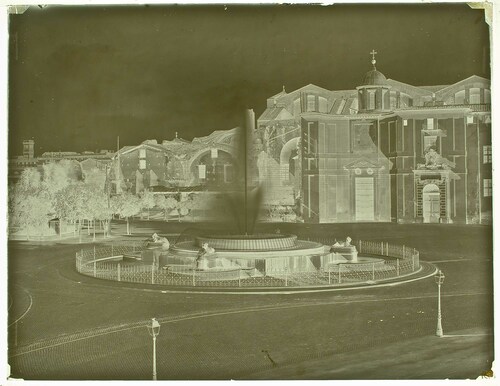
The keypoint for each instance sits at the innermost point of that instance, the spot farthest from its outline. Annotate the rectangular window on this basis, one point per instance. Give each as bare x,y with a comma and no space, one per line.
487,188
470,119
371,100
214,153
202,171
323,105
311,103
142,164
430,123
487,154
142,153
474,96
311,139
405,122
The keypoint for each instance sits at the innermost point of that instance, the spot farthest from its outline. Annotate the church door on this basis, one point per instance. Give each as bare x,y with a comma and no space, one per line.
430,203
364,199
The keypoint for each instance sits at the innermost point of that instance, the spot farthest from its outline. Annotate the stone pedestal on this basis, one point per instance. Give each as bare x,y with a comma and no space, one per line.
350,253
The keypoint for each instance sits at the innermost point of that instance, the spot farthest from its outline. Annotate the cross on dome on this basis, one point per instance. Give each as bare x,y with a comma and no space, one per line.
373,53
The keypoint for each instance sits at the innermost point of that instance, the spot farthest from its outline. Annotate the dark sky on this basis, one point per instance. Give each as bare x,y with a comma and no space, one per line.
81,76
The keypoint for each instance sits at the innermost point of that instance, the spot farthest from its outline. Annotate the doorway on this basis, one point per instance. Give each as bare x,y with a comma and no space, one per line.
364,199
430,203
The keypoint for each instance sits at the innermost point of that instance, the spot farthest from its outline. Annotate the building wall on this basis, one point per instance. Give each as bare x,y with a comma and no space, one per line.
136,171
339,156
402,141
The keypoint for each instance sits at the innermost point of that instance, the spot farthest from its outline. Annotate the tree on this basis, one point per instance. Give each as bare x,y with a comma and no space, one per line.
166,203
70,204
96,205
127,205
29,203
147,201
96,177
29,210
58,175
30,181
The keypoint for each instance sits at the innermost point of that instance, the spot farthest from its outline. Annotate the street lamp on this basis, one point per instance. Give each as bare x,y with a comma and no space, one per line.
439,280
154,330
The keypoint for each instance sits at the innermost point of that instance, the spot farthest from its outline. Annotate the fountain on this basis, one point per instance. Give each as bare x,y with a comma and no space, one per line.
251,254
240,257
264,254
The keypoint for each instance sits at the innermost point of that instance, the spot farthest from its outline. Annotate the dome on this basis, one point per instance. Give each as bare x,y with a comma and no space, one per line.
374,78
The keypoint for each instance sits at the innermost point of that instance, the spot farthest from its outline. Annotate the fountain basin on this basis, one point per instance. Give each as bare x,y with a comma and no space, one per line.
258,242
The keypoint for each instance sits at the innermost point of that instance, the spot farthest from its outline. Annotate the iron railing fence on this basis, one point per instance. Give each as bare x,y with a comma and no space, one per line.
106,262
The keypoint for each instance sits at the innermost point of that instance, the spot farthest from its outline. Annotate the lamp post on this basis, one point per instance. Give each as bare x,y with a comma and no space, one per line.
439,280
154,330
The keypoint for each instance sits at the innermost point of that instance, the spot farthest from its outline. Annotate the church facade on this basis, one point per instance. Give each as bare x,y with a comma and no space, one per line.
385,151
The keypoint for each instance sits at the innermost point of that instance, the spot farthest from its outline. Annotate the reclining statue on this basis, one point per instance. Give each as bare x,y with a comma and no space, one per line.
346,243
201,258
346,249
165,244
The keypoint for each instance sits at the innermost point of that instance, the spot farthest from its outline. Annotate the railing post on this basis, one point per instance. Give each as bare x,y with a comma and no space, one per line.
413,263
119,273
397,266
404,252
340,277
387,248
95,269
194,277
382,248
286,276
239,277
152,274
94,252
112,252
329,276
373,271
360,249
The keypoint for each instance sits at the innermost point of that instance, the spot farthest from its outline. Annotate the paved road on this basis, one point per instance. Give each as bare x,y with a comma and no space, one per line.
67,326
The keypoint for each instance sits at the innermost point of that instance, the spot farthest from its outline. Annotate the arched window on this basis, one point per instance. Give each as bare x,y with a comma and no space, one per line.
460,97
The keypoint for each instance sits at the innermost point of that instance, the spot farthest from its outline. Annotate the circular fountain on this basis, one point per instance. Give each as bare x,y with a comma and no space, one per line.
265,253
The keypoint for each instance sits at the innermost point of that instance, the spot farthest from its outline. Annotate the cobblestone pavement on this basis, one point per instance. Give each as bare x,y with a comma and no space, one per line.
82,328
